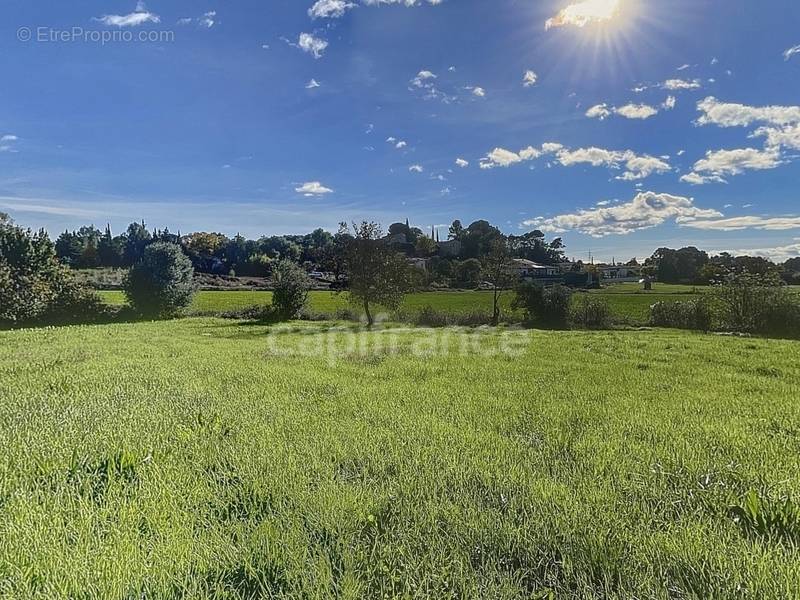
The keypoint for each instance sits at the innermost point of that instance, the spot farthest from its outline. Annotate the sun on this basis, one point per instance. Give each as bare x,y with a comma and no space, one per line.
581,14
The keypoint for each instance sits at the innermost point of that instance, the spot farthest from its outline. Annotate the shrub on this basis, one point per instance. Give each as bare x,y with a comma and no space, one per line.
590,312
695,315
430,317
758,304
162,283
291,289
548,307
34,287
256,312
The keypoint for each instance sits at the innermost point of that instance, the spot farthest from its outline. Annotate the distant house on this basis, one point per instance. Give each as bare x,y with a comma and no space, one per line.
620,273
527,269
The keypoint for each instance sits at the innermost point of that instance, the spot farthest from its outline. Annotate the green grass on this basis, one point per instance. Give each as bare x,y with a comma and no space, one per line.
628,303
200,458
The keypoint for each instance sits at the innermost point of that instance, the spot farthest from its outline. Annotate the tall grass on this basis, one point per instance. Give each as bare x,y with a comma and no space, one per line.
199,459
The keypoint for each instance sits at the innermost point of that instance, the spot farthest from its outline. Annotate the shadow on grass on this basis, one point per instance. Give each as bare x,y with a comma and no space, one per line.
112,316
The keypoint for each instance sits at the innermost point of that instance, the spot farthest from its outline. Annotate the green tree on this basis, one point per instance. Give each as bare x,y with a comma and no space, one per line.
548,306
137,238
34,286
468,272
291,289
162,283
376,273
498,269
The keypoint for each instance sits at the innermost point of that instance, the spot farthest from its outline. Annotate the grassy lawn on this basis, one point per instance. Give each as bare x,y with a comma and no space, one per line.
204,458
628,302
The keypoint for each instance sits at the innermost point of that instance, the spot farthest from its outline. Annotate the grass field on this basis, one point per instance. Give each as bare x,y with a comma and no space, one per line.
628,302
203,458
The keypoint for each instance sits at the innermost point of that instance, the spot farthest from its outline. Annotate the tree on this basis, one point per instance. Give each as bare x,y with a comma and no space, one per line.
376,273
206,251
549,306
498,269
425,246
69,248
792,265
162,283
34,286
533,246
137,238
677,266
468,272
456,231
109,249
291,289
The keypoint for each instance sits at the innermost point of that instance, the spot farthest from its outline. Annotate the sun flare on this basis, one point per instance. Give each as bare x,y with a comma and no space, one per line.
581,14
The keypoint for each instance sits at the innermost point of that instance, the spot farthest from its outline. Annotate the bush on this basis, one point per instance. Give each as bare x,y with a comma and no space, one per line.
548,307
162,283
34,287
291,289
696,315
430,317
758,304
256,312
590,312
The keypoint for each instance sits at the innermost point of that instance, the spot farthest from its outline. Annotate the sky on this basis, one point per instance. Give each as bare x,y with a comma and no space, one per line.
619,125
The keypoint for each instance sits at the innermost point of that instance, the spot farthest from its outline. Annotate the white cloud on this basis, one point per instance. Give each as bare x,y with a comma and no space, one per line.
529,78
313,45
791,52
500,157
422,77
401,144
312,84
781,129
728,114
629,111
717,164
416,169
646,210
580,14
788,137
636,166
478,91
6,143
599,111
426,81
334,9
741,223
669,103
209,19
329,9
460,162
313,188
697,179
681,84
778,254
140,16
636,111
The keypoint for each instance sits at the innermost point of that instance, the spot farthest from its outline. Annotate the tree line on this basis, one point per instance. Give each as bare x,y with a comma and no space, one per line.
216,253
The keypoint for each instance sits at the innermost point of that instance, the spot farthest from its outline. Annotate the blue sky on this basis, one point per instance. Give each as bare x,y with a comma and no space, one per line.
620,125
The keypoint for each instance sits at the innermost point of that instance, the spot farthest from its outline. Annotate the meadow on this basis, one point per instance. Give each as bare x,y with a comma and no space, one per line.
208,458
628,302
